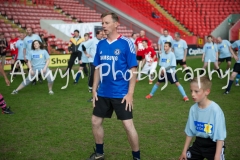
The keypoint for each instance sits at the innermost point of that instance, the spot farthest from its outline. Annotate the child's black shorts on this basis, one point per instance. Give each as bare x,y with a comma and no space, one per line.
203,148
104,108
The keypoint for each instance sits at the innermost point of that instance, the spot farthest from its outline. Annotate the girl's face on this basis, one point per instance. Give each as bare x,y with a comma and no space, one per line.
36,45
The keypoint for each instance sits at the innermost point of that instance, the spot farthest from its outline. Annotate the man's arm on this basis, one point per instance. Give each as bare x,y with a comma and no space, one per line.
233,54
96,80
185,55
24,54
129,96
4,75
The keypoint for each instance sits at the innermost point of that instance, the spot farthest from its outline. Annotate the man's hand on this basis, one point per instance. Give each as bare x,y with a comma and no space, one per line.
184,59
32,72
236,58
80,61
95,98
129,101
7,81
88,55
44,70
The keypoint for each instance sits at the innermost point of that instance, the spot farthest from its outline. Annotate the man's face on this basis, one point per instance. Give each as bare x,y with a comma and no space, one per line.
76,34
100,35
13,36
165,33
176,37
166,47
219,40
109,25
29,31
142,33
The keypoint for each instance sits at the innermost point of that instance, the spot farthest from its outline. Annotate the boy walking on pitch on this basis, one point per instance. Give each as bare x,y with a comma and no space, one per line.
168,62
206,122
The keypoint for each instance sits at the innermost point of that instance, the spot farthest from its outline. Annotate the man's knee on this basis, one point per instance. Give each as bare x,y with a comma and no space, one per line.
96,121
128,125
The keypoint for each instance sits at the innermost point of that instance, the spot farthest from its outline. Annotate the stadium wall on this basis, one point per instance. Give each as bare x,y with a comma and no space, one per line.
234,32
224,27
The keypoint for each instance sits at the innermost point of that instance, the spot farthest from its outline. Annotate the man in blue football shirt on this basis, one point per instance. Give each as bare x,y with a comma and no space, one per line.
180,50
236,68
164,38
113,85
224,49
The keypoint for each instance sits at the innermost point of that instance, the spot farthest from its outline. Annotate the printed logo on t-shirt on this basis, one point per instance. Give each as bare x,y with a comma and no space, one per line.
175,45
221,47
209,47
35,56
21,44
30,41
164,59
204,127
117,52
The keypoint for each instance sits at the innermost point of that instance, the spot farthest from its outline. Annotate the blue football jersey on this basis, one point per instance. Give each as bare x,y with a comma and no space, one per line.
116,58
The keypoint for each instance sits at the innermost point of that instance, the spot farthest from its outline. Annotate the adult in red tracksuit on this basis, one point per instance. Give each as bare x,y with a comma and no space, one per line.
13,49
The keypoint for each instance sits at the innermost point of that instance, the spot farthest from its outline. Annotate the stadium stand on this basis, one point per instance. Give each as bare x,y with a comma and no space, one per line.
83,14
200,16
146,9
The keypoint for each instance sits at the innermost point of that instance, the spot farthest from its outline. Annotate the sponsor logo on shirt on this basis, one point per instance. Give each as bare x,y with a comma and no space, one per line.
165,60
209,47
37,56
203,127
117,52
175,45
109,58
29,41
221,47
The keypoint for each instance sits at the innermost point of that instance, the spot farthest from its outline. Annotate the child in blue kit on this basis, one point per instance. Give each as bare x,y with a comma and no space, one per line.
206,122
168,62
38,61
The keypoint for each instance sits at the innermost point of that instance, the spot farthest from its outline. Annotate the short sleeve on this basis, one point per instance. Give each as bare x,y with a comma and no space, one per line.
29,56
80,47
228,44
25,44
204,48
220,127
130,55
189,125
185,45
215,48
38,38
159,40
97,61
234,45
173,60
46,54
